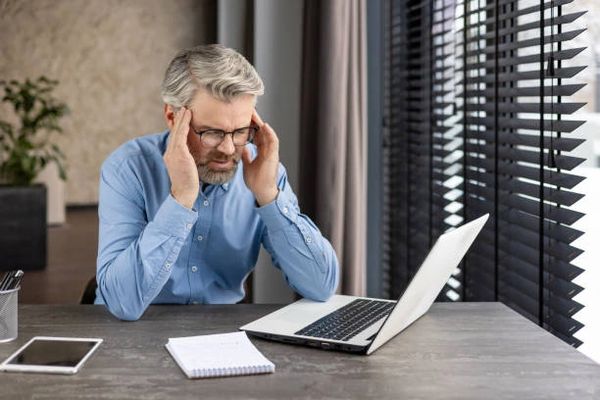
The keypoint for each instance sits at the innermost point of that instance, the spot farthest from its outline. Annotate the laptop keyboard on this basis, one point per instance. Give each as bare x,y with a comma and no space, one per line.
348,321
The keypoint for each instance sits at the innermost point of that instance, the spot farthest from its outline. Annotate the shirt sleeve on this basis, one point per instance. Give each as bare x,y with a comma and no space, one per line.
305,257
135,255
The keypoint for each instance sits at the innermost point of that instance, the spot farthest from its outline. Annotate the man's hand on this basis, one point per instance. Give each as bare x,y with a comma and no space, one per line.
181,166
260,174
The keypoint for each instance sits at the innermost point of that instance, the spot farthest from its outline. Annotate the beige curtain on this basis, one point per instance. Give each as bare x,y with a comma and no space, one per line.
333,131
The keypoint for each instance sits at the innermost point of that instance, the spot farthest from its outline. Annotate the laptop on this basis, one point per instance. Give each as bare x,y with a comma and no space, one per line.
360,324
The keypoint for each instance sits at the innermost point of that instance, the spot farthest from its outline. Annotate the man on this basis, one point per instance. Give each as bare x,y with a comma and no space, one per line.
182,220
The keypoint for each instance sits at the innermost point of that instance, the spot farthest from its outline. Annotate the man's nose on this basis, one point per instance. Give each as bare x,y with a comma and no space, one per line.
226,146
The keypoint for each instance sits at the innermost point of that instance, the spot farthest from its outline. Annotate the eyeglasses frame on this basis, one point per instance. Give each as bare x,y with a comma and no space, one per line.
252,133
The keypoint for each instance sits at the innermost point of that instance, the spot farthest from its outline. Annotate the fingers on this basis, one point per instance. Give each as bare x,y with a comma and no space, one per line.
266,139
181,127
246,157
269,137
257,119
265,135
184,126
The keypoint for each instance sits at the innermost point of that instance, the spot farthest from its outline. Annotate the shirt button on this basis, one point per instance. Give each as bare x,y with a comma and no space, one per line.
200,237
168,266
285,210
194,268
308,239
205,203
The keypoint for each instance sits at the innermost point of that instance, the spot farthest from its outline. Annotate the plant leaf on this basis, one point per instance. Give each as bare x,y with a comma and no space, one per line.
24,153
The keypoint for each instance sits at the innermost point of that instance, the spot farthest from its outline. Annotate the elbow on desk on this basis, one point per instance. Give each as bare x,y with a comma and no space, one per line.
326,289
318,296
125,311
122,311
127,316
320,292
123,314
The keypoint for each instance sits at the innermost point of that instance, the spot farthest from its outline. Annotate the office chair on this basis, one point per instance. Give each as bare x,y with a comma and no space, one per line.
89,293
249,297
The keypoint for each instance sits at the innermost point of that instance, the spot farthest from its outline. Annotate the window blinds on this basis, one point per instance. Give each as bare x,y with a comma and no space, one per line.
477,119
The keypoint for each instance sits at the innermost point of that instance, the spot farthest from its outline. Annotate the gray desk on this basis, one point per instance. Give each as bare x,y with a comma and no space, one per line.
456,351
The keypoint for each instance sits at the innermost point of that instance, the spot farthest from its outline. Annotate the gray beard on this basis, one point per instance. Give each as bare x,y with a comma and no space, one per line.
212,177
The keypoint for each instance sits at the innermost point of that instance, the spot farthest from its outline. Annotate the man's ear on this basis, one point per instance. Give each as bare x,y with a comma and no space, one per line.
169,114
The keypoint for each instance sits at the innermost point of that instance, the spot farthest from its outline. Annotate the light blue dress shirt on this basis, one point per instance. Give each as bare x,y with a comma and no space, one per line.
153,250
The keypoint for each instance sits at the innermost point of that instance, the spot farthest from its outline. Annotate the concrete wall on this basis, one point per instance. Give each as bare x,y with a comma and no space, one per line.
109,56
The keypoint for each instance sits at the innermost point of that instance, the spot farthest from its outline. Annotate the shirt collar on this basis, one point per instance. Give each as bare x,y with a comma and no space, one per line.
224,186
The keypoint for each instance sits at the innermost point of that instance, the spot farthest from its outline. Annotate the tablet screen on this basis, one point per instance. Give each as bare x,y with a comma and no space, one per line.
59,353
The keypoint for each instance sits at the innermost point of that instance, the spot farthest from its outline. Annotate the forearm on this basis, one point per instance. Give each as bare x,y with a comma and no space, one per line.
306,258
132,270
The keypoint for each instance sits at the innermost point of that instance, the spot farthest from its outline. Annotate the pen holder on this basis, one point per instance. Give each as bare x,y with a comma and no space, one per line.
9,322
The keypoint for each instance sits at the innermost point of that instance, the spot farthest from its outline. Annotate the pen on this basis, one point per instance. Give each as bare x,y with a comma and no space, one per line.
11,280
5,279
17,280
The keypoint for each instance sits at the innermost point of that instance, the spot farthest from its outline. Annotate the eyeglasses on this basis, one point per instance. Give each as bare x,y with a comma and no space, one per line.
214,137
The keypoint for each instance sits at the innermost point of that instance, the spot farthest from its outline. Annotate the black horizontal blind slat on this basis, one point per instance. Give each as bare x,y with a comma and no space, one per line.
562,37
516,76
562,108
522,139
533,91
527,123
509,185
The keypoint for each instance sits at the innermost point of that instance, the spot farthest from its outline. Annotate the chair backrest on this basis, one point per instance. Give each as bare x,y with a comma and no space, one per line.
248,288
89,293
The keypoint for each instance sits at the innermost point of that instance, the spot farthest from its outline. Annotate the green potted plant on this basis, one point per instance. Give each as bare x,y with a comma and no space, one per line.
25,149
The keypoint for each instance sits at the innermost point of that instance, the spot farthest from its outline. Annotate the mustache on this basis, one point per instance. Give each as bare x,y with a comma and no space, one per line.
225,159
219,158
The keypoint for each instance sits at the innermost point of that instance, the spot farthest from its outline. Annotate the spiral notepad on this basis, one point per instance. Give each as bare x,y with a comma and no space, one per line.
226,354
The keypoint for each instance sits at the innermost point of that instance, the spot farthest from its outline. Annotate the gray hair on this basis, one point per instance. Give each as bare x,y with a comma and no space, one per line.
222,71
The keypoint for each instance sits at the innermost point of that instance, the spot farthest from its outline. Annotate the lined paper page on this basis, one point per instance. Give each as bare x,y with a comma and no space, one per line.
218,355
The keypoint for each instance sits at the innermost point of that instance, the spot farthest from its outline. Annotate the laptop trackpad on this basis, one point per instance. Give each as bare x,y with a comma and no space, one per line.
299,316
305,312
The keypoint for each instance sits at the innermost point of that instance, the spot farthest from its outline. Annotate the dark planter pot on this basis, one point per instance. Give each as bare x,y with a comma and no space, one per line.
23,227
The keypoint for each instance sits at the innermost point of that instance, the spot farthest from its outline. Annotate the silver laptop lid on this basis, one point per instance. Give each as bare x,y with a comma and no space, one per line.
429,280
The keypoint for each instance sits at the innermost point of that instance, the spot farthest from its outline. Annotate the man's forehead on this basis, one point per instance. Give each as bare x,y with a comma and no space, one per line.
208,111
222,121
